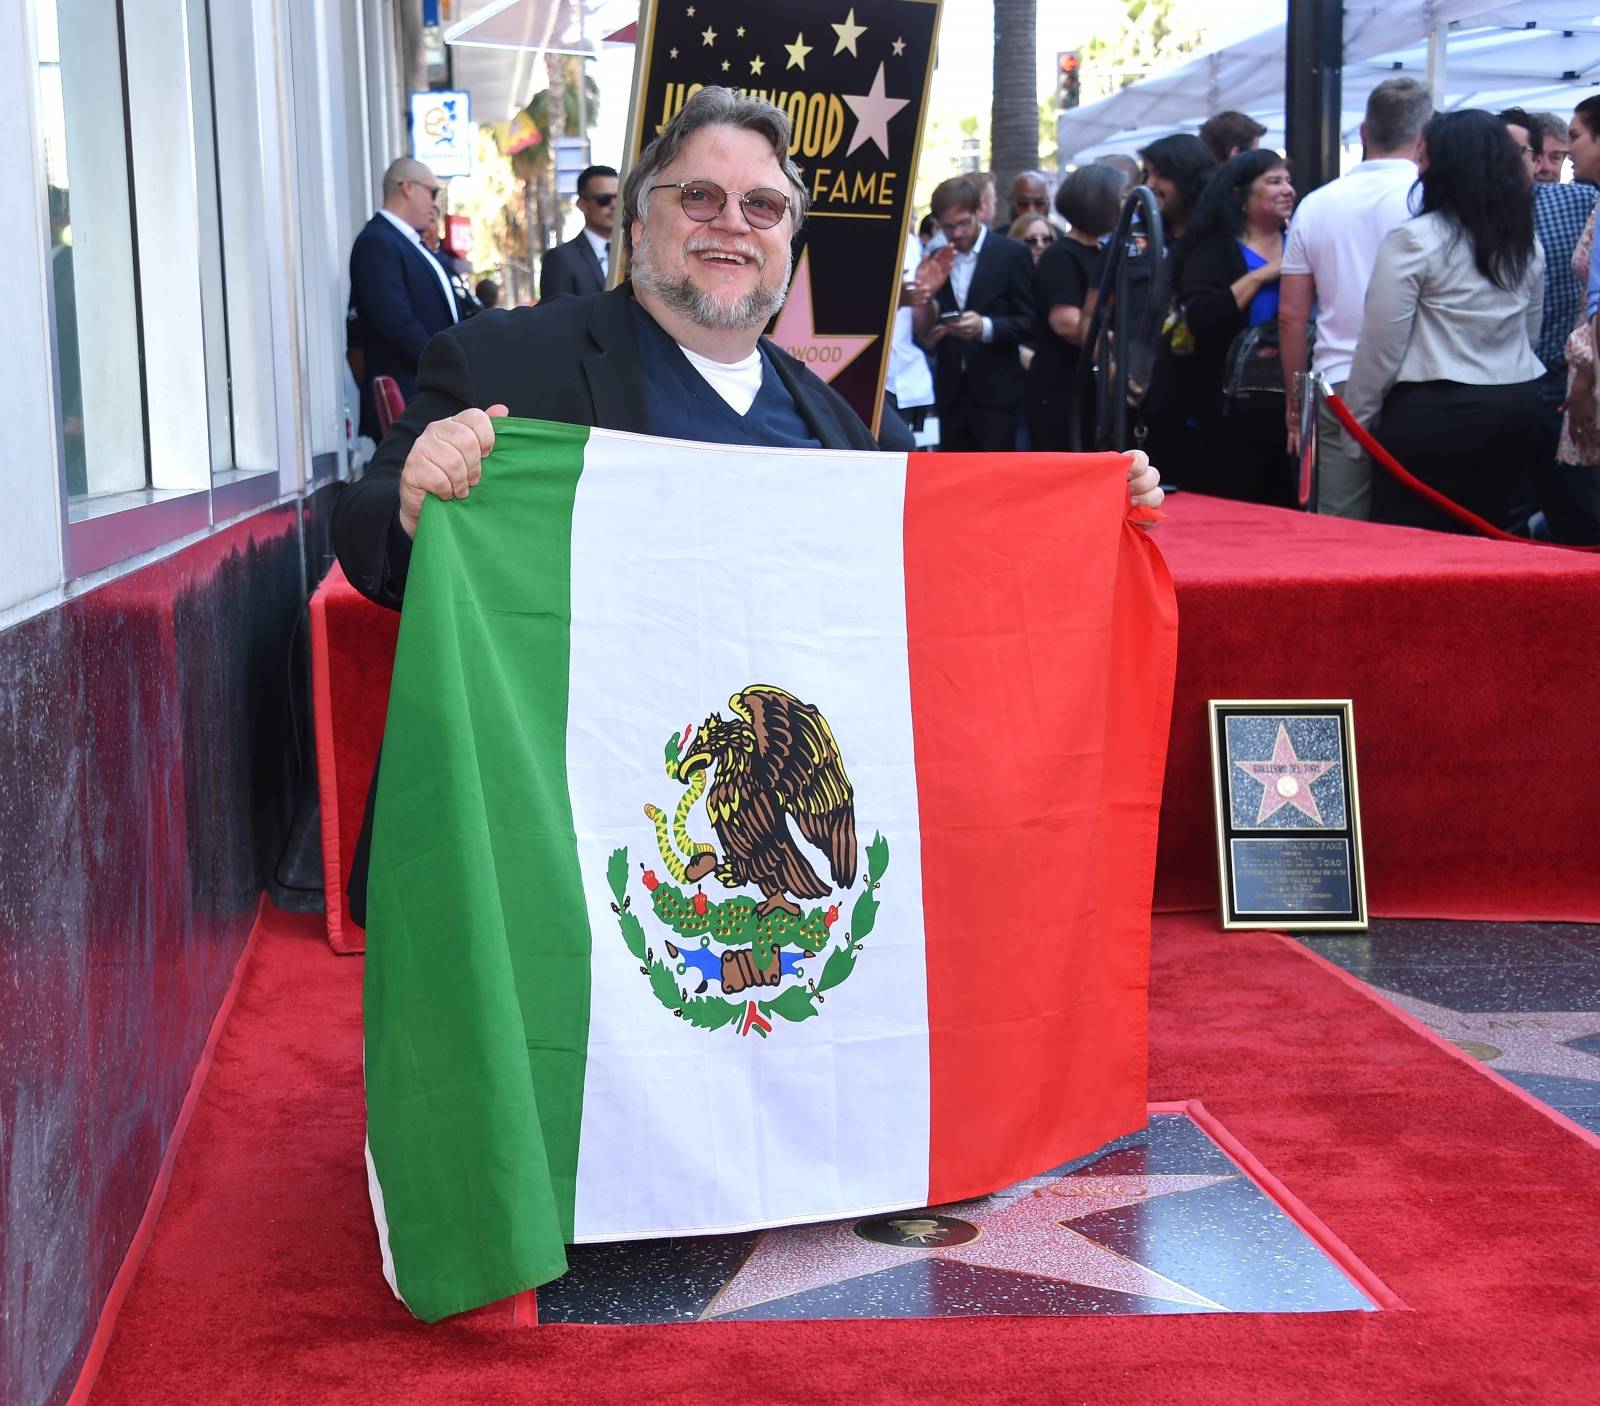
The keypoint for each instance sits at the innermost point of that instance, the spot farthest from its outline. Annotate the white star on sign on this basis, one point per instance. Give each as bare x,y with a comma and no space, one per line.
797,52
708,36
725,65
899,47
757,64
672,53
740,31
690,12
848,33
873,111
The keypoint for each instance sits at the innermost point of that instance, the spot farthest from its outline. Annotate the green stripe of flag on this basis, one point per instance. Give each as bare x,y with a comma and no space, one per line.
474,1068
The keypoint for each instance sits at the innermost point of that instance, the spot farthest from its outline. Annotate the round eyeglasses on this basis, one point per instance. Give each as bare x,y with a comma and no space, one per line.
705,200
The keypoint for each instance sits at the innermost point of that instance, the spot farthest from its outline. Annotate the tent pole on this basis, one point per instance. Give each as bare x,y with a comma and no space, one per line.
1438,58
1314,62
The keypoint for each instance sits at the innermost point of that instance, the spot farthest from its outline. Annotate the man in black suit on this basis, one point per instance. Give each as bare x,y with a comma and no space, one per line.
583,263
975,324
400,295
709,217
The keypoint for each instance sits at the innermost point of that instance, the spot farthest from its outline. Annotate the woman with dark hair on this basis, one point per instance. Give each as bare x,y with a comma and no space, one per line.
1065,282
1229,282
1444,371
1176,170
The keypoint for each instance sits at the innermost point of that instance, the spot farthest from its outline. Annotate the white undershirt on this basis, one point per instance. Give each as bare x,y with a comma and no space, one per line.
737,382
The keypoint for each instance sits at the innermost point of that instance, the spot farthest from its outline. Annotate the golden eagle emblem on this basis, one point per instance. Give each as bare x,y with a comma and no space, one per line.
775,760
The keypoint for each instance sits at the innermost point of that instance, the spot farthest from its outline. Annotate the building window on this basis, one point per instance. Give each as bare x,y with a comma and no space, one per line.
95,295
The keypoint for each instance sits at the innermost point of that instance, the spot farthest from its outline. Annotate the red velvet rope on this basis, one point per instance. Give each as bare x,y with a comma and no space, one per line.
1397,471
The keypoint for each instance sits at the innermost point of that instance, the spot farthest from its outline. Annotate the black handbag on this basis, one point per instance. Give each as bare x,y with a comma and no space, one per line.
1252,375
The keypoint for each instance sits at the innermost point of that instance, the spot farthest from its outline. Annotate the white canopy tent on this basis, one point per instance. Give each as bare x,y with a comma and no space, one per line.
499,45
1537,53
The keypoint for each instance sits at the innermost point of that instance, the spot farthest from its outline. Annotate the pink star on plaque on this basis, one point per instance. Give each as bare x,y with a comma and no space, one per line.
796,330
1285,779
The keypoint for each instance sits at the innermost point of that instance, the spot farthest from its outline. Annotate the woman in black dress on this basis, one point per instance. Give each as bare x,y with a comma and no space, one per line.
1065,281
1229,281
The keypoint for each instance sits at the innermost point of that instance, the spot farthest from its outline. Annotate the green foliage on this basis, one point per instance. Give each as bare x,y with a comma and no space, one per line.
632,934
840,964
617,873
734,923
794,1004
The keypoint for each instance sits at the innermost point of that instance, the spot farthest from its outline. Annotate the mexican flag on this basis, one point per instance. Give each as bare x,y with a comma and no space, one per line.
763,836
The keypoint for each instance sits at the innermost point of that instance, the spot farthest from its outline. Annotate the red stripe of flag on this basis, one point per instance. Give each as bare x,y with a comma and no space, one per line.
1038,798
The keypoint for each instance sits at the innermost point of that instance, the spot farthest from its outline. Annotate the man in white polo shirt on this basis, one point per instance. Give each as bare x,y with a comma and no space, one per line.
1333,244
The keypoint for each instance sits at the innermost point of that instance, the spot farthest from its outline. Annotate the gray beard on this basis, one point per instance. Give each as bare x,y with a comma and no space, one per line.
682,296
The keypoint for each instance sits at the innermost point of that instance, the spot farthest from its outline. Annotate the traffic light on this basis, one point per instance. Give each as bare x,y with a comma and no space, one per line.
1068,68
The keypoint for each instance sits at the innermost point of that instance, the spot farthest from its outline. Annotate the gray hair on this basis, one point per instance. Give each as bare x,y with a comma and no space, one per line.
1397,111
1551,125
711,107
1091,198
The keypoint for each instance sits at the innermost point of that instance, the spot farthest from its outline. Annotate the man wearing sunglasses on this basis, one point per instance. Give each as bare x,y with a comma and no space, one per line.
709,215
583,263
400,294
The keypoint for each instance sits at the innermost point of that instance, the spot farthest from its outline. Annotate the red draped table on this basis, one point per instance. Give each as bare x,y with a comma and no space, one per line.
1473,667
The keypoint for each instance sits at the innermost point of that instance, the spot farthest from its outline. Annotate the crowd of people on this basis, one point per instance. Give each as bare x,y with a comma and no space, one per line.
1441,287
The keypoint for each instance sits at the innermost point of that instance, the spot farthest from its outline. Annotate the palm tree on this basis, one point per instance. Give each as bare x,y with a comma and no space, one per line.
1014,119
532,148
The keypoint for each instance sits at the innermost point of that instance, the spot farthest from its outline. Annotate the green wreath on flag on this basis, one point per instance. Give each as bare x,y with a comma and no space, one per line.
734,925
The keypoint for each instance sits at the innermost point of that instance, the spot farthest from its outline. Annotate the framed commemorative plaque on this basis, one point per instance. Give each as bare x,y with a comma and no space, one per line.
1283,776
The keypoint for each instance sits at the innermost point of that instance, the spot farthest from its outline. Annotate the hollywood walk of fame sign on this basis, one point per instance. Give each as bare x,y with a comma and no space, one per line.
1283,776
853,78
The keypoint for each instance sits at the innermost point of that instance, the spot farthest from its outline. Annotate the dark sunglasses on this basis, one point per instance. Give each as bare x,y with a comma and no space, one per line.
609,198
705,200
1040,239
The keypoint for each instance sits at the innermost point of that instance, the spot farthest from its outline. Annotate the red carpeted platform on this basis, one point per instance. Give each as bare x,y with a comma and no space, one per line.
1474,666
261,1283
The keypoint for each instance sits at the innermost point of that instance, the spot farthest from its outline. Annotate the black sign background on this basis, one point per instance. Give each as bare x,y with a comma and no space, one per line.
807,59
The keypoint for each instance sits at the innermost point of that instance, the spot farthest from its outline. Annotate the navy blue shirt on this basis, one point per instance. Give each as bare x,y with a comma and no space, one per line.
684,405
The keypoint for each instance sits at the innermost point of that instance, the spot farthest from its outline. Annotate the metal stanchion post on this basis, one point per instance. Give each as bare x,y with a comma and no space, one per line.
1309,390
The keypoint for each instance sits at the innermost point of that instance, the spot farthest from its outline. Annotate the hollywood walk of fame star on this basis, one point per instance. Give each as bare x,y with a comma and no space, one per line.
798,51
708,36
848,33
1024,1231
757,64
795,330
1520,1042
873,110
1285,779
899,47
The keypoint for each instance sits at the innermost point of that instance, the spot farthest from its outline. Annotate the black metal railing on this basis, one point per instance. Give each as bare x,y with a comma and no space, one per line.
1119,352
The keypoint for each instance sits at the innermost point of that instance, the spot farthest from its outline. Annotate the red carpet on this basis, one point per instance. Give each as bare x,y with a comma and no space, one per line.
261,1284
1471,663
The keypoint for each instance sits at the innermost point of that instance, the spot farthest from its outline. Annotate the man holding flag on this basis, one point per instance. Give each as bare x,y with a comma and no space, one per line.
527,930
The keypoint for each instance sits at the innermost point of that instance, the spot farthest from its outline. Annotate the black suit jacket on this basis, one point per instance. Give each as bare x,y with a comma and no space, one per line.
396,305
1001,290
575,361
570,270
